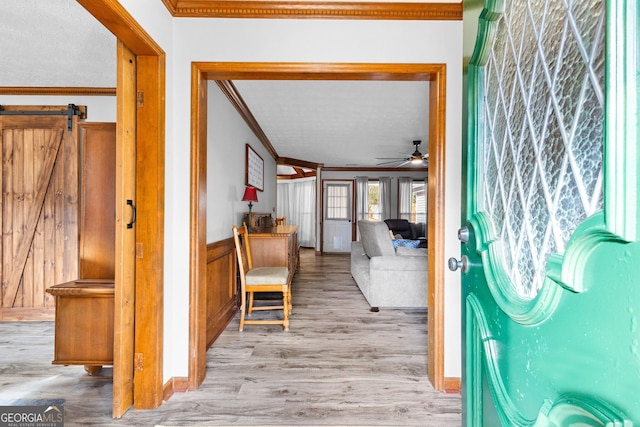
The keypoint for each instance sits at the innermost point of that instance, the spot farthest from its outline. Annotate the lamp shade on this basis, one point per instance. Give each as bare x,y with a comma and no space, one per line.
250,194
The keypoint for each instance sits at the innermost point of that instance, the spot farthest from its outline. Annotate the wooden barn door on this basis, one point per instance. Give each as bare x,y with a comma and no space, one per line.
38,210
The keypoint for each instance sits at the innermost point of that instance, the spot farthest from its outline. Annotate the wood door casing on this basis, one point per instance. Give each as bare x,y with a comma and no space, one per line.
149,142
434,73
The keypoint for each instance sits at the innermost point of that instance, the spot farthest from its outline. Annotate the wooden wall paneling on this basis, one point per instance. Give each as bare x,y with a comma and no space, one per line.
70,185
97,200
222,289
68,182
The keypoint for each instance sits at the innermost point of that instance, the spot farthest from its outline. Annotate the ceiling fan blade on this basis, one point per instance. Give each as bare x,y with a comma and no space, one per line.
403,163
391,161
391,158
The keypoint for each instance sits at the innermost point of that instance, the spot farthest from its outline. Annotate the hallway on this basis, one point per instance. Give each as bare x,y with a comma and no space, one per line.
340,364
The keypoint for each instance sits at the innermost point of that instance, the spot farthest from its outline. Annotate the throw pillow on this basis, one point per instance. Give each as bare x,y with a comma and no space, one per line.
406,243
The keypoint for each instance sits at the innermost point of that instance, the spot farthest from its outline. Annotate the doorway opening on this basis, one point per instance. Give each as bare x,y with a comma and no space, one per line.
202,72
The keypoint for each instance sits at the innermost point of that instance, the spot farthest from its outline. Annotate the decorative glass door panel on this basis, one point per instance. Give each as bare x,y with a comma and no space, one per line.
552,240
542,137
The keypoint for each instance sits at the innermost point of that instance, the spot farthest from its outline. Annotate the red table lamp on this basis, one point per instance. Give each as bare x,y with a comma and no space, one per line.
250,195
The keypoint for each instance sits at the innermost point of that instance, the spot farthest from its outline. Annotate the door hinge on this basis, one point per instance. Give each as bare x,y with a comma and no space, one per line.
140,98
138,363
139,250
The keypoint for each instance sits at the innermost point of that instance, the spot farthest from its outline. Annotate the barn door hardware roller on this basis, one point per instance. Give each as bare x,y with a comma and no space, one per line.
72,110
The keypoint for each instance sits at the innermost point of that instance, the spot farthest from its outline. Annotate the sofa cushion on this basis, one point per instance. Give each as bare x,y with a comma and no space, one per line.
401,251
375,238
400,226
418,229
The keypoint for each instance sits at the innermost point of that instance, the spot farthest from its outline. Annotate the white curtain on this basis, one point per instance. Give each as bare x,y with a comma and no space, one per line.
362,200
385,197
405,193
426,204
297,201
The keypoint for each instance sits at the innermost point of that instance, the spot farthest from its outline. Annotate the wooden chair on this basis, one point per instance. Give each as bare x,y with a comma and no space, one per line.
281,221
259,279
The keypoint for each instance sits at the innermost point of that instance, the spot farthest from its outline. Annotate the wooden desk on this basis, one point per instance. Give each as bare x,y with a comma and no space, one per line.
84,323
276,247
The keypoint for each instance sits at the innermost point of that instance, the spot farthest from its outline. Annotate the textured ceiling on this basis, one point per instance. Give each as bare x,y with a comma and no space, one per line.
58,43
340,123
54,43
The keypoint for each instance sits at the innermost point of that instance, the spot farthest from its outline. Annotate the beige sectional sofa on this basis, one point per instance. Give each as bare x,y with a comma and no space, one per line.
388,277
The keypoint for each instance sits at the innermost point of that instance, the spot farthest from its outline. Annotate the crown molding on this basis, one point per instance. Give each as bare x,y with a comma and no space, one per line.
314,9
171,5
231,92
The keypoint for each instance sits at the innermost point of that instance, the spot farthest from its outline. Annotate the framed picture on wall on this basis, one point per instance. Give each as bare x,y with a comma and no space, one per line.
254,169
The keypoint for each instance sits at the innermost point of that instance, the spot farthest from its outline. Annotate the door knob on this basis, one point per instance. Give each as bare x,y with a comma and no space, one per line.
462,264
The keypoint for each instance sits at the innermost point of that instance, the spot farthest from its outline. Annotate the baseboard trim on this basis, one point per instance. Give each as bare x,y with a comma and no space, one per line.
24,314
452,385
175,385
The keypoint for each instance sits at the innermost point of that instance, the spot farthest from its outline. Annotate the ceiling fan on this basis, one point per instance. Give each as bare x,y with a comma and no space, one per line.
415,159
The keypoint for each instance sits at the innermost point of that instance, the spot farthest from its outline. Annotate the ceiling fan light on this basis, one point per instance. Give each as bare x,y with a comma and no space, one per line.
416,157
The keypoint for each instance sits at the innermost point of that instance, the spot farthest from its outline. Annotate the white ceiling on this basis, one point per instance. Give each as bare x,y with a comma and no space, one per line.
57,43
54,43
340,123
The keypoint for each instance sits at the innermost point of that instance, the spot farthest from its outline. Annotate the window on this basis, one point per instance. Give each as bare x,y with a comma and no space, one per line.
373,205
413,200
338,207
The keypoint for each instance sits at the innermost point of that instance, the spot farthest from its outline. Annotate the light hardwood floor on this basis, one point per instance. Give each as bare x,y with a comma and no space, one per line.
340,364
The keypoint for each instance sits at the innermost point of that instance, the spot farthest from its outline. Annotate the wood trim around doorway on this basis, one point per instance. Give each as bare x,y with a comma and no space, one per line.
149,240
201,72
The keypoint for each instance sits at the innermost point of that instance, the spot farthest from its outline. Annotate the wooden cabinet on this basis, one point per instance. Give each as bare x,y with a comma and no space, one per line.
276,247
84,323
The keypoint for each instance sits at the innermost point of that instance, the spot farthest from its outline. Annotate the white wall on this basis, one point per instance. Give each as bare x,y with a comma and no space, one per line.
227,134
274,40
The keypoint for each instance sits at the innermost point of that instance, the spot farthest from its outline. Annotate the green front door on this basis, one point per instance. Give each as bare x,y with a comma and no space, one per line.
551,258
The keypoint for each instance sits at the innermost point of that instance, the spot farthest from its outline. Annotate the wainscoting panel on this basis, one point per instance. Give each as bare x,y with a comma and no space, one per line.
222,288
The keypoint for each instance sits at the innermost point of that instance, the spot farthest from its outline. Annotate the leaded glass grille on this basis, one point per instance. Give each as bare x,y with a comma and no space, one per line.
543,130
